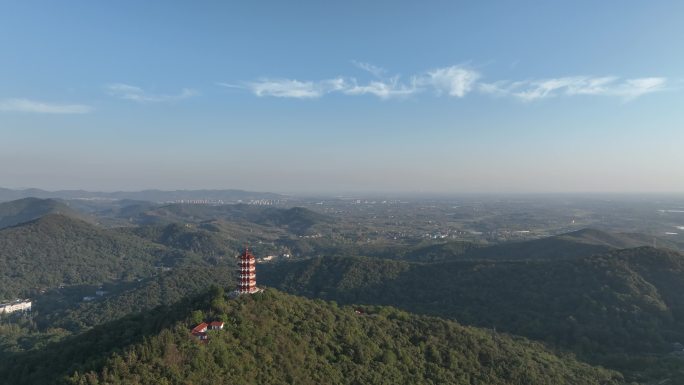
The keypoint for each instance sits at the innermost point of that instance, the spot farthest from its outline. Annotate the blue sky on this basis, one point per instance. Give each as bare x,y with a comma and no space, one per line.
436,96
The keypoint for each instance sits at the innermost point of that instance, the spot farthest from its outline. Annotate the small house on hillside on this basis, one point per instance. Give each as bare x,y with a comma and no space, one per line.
200,331
201,328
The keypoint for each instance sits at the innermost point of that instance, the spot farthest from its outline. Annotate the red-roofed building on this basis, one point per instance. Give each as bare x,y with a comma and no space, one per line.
200,331
201,328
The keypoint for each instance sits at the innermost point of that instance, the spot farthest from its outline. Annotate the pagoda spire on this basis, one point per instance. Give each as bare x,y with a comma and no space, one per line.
247,273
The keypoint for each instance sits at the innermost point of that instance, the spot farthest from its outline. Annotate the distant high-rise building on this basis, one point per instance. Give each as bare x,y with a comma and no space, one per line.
247,273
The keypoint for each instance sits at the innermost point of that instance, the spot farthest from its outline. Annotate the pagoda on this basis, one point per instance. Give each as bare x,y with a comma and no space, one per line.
247,273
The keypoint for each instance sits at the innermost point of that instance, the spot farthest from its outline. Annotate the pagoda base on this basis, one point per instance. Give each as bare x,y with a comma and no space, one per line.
236,293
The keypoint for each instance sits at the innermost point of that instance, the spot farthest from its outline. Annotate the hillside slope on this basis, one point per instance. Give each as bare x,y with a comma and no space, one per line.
273,338
296,219
600,307
163,289
57,249
199,241
28,209
581,243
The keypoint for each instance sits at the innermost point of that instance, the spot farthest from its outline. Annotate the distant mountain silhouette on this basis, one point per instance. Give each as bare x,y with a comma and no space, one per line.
576,244
227,196
296,220
28,209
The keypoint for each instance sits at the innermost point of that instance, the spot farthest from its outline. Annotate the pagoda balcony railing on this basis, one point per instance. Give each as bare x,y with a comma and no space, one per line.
250,276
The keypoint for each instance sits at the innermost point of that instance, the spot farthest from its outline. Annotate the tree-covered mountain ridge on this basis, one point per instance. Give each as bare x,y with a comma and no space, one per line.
575,244
295,219
56,249
602,307
230,195
29,209
275,338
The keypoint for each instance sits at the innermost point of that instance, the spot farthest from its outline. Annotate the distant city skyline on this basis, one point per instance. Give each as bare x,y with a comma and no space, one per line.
431,97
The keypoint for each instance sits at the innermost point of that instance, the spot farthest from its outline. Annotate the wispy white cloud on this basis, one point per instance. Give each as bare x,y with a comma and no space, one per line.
530,90
286,88
137,94
454,81
230,85
633,88
374,70
391,88
292,88
38,107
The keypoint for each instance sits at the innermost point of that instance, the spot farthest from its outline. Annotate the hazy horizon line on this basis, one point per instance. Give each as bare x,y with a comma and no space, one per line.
351,192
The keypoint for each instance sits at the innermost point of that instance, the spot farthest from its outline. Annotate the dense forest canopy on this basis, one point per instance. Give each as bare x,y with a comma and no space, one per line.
603,308
599,296
273,338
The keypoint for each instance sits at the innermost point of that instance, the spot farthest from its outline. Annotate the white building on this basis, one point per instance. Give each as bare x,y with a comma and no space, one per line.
18,305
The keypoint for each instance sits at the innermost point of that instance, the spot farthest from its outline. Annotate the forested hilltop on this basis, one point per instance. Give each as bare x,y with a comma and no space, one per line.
162,289
623,309
28,209
59,250
587,293
274,338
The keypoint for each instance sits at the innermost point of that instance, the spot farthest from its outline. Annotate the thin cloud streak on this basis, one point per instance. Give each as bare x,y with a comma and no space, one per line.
374,70
286,88
137,94
38,107
292,88
229,85
382,89
531,90
455,81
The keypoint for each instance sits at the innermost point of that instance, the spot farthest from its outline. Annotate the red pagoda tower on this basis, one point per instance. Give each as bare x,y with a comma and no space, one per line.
247,273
